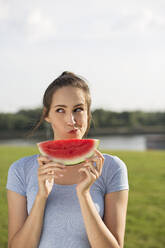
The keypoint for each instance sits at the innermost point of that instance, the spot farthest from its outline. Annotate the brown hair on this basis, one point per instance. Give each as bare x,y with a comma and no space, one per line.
65,79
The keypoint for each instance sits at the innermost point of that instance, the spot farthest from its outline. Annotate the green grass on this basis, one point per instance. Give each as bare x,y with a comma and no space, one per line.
145,227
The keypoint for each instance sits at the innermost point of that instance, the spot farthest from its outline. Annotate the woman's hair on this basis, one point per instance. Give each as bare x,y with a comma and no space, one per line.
65,79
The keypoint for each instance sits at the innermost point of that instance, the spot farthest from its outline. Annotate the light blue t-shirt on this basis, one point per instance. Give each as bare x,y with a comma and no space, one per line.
63,224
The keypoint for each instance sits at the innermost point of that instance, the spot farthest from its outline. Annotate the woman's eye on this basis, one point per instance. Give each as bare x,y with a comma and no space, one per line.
59,110
78,109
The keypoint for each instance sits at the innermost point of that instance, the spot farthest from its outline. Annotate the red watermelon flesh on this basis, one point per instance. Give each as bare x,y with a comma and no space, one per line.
69,151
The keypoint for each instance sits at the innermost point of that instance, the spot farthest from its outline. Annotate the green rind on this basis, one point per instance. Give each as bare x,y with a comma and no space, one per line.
72,161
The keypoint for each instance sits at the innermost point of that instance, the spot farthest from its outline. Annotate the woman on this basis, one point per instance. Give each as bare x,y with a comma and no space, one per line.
54,206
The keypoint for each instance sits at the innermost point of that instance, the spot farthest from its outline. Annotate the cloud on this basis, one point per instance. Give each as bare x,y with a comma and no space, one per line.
39,26
4,10
86,22
105,26
144,20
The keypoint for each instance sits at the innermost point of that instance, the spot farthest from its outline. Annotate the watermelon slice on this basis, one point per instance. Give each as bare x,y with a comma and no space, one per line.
69,151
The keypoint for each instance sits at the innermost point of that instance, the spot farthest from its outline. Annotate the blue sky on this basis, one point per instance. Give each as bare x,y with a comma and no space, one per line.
118,46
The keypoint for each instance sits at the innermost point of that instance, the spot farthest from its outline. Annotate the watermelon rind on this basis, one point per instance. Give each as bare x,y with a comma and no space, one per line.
72,161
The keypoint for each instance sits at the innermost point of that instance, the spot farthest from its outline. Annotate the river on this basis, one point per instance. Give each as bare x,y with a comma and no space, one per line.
112,142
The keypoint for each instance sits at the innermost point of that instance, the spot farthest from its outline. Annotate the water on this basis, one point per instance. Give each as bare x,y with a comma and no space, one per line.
119,142
18,142
115,142
112,142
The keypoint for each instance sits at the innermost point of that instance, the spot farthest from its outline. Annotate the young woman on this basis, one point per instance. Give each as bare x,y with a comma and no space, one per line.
54,206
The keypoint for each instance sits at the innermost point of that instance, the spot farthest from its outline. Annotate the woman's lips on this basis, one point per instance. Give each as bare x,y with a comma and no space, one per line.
73,131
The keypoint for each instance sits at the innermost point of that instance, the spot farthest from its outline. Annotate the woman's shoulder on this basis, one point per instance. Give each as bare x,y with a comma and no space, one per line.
19,173
114,173
24,162
113,162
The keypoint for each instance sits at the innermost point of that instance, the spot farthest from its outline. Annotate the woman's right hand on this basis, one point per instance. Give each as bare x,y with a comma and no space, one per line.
47,171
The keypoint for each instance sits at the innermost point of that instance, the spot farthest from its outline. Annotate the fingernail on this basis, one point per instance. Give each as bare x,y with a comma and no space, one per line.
61,175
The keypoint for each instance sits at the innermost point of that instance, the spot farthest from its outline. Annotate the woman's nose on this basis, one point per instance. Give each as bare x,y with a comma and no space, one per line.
70,120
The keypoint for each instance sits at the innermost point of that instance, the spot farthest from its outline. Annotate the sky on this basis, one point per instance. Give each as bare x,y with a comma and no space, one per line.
118,46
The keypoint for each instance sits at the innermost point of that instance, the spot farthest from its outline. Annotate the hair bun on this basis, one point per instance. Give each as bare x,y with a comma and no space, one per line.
67,73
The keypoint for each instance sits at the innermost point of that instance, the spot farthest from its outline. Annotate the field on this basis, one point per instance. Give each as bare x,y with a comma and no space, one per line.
145,227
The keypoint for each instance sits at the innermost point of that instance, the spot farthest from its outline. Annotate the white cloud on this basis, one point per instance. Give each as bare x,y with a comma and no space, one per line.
39,26
142,20
139,21
4,10
88,21
104,26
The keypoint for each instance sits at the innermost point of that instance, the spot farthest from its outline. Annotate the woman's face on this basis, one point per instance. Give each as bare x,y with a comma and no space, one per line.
68,113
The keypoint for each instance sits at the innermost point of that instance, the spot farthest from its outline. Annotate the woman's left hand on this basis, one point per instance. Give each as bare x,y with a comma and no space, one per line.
90,173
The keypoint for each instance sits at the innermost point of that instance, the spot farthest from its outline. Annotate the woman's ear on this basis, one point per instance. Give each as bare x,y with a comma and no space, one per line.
47,119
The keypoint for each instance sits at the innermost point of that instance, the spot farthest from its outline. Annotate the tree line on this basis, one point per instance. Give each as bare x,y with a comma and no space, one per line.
26,120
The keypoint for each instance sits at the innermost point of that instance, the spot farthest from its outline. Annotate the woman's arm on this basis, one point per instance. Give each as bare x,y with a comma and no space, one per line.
23,230
115,211
110,233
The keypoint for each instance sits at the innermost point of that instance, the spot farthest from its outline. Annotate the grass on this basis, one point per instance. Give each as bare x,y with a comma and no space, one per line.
145,216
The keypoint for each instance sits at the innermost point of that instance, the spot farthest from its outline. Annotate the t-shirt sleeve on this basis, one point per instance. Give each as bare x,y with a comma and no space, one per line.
116,175
16,178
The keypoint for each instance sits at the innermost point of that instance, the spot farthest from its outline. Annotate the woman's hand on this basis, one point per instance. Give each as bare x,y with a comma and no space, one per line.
47,171
90,173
